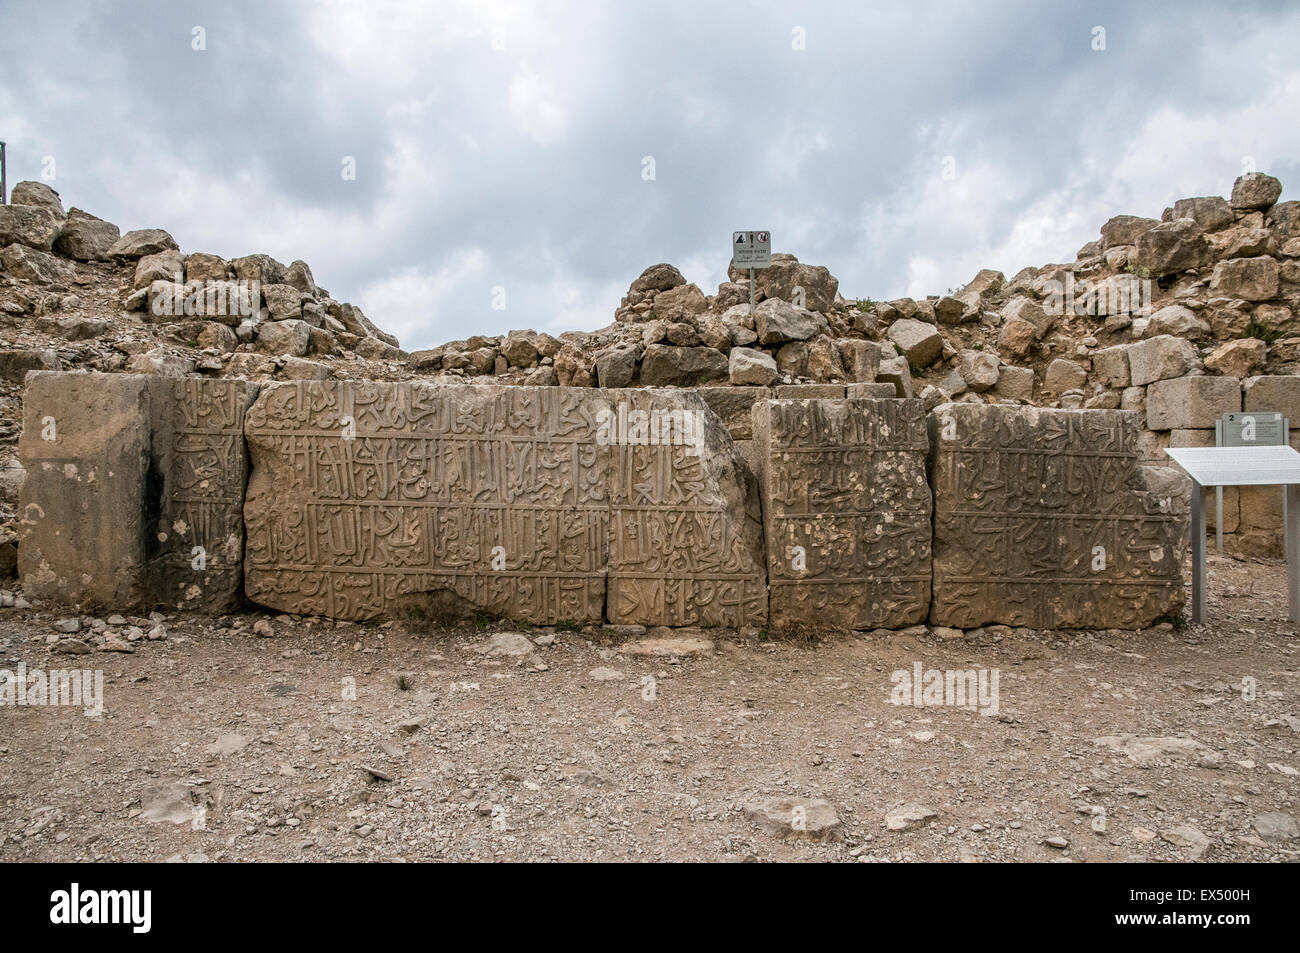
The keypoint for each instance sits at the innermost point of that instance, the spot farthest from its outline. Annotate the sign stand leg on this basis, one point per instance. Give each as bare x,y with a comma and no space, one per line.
751,291
1292,553
1198,552
1218,520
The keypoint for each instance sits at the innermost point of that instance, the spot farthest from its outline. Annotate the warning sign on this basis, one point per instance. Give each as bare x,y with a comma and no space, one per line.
751,249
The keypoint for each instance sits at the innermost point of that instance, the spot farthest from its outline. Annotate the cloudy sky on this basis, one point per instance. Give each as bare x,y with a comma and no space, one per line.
554,150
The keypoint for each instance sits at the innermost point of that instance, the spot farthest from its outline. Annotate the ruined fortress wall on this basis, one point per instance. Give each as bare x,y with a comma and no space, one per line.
630,506
534,503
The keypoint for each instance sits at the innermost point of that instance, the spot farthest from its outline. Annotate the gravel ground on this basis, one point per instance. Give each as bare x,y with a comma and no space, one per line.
222,743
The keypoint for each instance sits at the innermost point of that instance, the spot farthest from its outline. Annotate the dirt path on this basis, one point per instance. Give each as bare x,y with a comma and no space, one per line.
244,747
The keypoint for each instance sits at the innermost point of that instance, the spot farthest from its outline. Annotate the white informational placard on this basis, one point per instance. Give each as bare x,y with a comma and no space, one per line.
1242,466
751,249
1239,466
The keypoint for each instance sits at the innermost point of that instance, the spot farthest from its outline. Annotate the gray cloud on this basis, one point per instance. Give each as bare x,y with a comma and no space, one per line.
520,166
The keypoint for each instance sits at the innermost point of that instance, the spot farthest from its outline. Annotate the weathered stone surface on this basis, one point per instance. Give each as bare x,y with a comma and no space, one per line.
668,643
1015,383
846,510
1026,500
86,237
82,526
283,337
664,365
910,817
1125,230
882,390
1191,402
372,498
196,554
919,342
141,242
16,362
161,361
1179,321
986,283
37,195
808,391
776,321
1062,375
166,265
139,472
1279,393
520,348
617,366
1170,247
659,277
979,369
734,406
1284,221
950,310
1252,279
1110,366
861,359
791,280
268,271
1239,358
748,366
283,302
1017,336
792,359
28,225
679,303
1160,358
1211,212
299,275
824,360
1255,190
1276,827
897,372
796,818
200,266
1243,242
20,261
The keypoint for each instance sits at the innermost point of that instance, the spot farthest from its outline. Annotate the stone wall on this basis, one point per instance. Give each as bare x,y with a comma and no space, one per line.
630,506
134,490
1045,518
544,504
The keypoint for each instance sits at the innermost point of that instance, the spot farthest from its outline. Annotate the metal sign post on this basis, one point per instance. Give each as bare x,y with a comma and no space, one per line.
751,250
3,181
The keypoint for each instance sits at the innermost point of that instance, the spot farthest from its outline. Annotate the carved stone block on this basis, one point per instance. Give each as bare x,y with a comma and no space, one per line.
1042,518
846,511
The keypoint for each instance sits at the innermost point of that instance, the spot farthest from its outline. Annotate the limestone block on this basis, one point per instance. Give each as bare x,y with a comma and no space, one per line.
1044,518
82,527
846,512
536,503
1191,403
